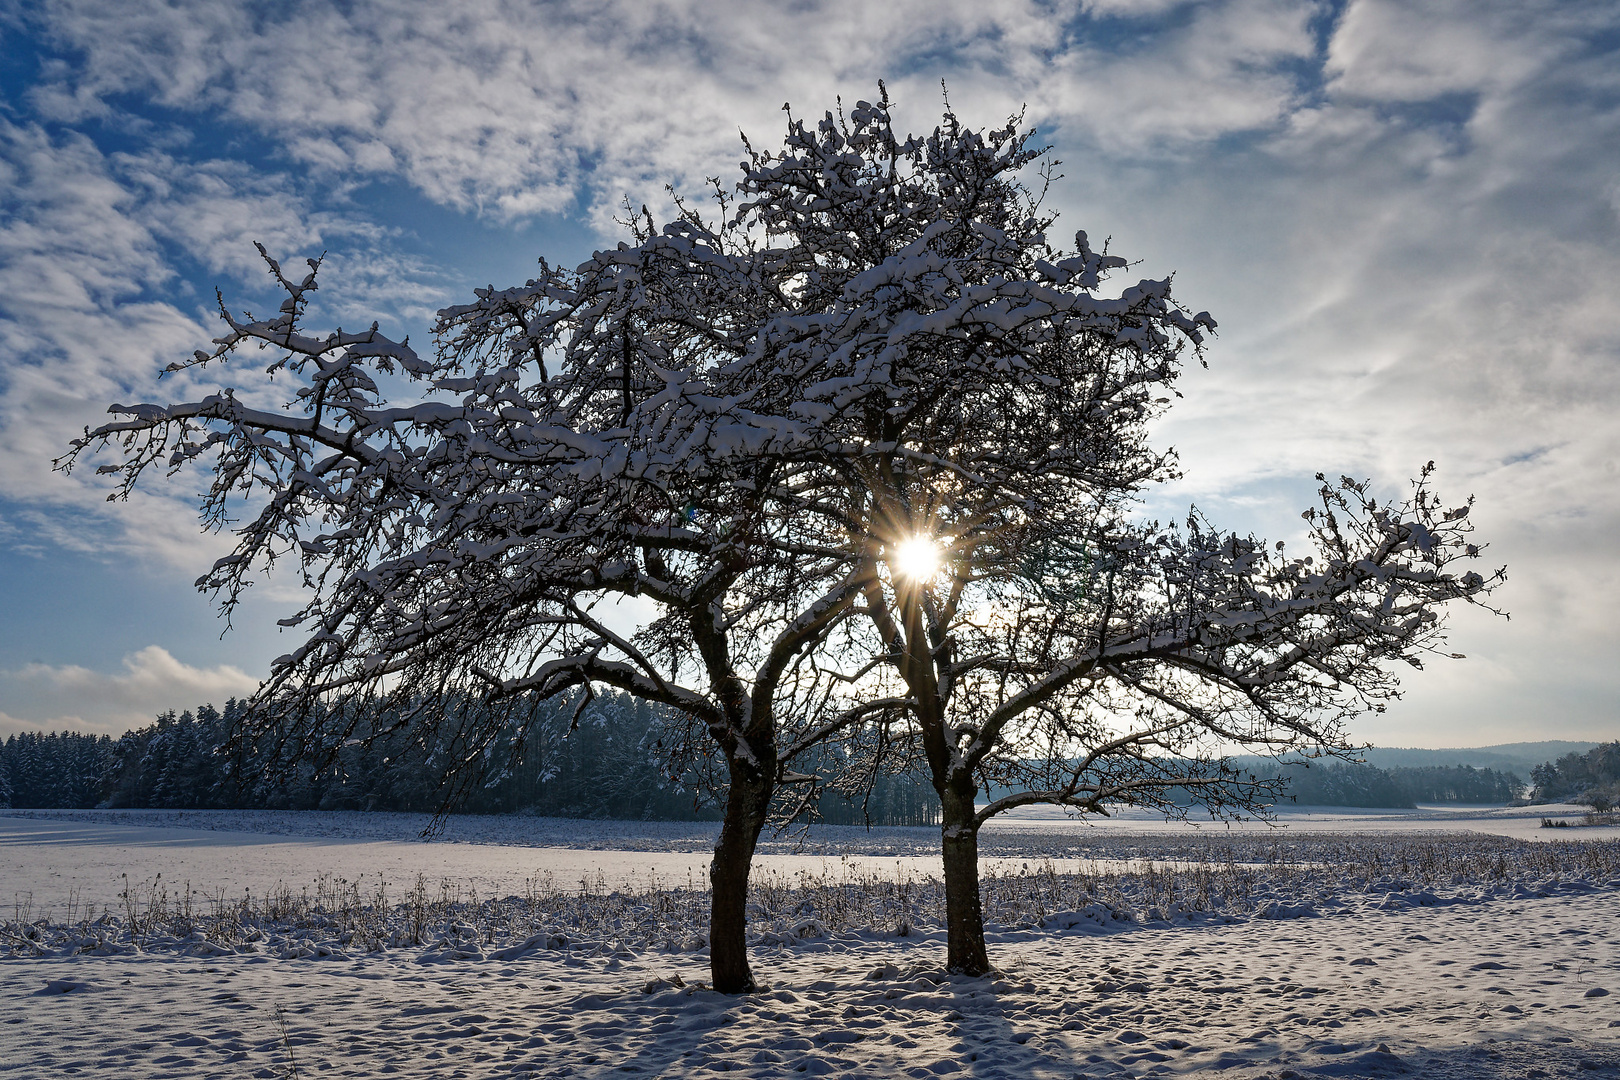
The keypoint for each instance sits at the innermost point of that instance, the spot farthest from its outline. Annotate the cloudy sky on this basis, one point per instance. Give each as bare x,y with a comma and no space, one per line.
1404,215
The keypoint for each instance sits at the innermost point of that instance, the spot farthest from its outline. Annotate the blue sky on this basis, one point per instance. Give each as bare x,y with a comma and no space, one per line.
1405,217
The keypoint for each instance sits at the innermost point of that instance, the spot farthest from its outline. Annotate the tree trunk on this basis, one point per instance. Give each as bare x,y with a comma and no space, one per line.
964,919
747,803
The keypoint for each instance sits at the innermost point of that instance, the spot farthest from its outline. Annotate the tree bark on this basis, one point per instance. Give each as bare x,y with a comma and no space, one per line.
747,803
964,918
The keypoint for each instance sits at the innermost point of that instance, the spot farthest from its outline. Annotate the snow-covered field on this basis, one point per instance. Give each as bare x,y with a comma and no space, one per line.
54,857
1035,825
1123,952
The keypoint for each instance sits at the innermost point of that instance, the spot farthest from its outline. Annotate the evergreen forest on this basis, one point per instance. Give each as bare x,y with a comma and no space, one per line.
607,762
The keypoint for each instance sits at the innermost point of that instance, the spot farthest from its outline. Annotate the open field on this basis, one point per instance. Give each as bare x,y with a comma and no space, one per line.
82,856
1304,953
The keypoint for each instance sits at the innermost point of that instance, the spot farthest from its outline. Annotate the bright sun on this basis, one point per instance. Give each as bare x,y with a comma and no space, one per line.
917,558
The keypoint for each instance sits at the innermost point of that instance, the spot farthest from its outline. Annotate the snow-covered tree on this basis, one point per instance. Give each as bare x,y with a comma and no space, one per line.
1581,777
970,413
1096,662
865,444
54,770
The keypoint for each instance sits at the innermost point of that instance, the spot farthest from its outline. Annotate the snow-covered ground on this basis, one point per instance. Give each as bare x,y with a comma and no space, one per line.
1460,991
1338,962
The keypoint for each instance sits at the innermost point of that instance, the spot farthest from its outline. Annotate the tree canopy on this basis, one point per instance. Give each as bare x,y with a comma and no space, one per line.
868,442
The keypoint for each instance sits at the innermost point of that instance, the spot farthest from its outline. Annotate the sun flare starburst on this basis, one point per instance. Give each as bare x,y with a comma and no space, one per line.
916,559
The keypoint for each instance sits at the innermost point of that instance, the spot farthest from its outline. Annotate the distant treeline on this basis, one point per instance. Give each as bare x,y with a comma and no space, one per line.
1348,784
1592,777
609,766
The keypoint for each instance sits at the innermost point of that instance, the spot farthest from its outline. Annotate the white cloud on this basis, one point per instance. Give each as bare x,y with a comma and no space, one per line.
75,698
1386,51
74,327
1393,289
1219,70
85,249
522,109
1137,9
502,108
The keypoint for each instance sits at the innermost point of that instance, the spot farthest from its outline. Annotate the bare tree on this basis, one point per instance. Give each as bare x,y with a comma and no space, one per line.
983,413
761,423
1122,664
475,541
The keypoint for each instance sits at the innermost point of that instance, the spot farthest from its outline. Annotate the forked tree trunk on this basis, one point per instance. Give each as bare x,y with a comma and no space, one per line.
747,803
964,918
